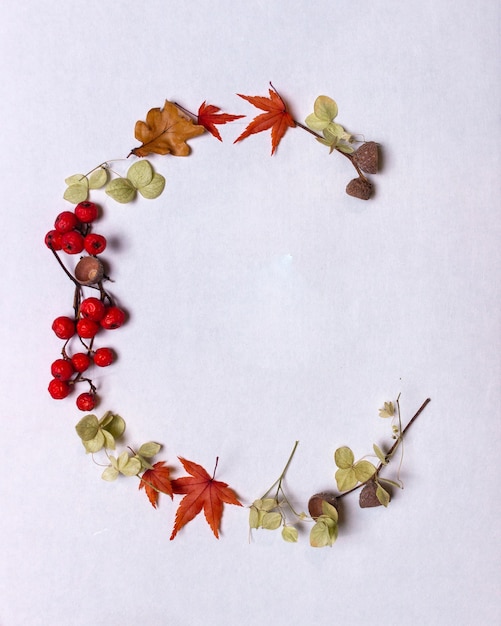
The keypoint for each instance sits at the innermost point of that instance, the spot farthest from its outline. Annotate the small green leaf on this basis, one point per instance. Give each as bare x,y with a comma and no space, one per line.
110,473
324,532
254,520
325,108
131,467
290,534
364,470
95,444
98,178
121,190
346,148
268,504
388,410
315,123
140,174
382,495
87,427
391,482
149,449
380,454
346,479
76,192
329,510
271,521
153,189
344,457
80,179
109,440
114,424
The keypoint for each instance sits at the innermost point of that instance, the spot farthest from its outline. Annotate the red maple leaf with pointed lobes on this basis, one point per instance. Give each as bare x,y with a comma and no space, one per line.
208,115
156,480
277,117
201,492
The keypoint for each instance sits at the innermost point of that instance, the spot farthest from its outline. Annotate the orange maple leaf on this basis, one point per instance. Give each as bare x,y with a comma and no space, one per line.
208,116
202,491
156,480
165,132
277,117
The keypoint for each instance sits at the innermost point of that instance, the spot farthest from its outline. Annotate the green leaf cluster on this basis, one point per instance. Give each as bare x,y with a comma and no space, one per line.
80,184
131,465
325,531
140,177
263,514
351,472
322,120
98,434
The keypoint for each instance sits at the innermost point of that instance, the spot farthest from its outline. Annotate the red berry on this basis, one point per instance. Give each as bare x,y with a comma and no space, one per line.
94,244
59,389
92,308
86,212
64,327
87,328
86,401
103,357
65,222
72,242
113,318
62,369
80,361
53,240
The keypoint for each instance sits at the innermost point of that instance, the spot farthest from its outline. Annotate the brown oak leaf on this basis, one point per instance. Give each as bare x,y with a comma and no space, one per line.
165,131
156,480
201,491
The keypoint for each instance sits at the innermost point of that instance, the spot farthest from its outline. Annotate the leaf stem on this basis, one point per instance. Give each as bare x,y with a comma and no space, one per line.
282,475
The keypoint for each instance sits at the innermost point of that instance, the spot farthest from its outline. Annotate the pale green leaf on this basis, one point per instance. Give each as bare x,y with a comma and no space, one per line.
391,482
346,148
87,427
114,424
149,449
325,108
254,520
80,179
98,178
346,479
363,470
153,189
315,123
132,467
271,521
122,460
109,440
110,473
290,534
76,192
95,444
388,410
382,495
380,454
329,510
344,457
121,190
267,504
140,174
324,532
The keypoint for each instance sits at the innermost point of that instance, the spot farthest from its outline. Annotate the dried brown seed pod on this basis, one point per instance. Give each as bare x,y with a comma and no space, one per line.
89,270
315,503
367,157
359,188
368,495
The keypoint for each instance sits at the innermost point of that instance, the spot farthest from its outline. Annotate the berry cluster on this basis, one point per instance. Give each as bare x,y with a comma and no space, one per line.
72,234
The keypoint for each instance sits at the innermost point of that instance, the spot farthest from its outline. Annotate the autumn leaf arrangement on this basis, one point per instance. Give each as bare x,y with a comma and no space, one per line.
85,330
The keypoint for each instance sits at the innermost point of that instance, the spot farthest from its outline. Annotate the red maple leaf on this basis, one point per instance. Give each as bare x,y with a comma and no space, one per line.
202,491
208,116
156,480
277,117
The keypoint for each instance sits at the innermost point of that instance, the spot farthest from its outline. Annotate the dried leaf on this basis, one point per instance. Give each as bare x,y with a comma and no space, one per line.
209,116
277,117
156,480
165,131
202,491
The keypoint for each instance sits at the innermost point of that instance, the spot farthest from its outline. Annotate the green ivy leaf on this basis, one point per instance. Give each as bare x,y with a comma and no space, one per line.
140,174
121,190
154,188
98,178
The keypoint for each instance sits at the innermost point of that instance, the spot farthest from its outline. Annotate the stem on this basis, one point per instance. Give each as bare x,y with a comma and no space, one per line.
185,110
391,450
282,475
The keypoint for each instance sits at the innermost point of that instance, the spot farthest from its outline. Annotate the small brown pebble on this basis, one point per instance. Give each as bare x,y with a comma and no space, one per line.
359,188
367,157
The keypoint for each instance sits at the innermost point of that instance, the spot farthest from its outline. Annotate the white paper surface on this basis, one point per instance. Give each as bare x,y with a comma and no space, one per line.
266,306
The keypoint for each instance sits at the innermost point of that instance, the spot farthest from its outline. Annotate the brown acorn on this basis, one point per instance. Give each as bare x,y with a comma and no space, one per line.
367,157
89,270
359,188
368,497
315,503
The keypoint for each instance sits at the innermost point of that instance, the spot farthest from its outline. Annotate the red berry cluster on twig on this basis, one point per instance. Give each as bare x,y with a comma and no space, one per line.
72,234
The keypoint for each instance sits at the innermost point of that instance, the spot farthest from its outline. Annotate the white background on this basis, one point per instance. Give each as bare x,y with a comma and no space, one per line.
266,306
